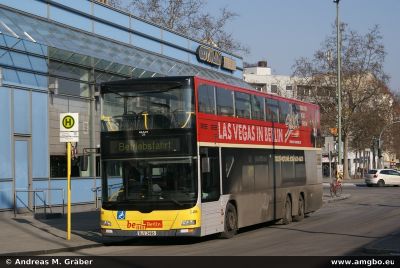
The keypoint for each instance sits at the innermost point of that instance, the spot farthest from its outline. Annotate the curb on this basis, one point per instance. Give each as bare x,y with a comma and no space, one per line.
52,251
327,184
335,199
64,249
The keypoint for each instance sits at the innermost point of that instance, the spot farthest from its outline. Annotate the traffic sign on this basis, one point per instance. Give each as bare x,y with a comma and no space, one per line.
69,122
69,127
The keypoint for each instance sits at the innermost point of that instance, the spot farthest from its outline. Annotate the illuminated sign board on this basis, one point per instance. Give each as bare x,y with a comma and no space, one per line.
209,55
228,63
144,146
214,57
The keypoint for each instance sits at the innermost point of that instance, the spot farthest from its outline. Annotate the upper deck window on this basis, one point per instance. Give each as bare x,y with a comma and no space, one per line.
272,110
224,102
148,106
242,105
257,107
206,99
284,110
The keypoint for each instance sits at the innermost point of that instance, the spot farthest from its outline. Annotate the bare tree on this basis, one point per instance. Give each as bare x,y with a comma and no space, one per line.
189,18
365,98
391,136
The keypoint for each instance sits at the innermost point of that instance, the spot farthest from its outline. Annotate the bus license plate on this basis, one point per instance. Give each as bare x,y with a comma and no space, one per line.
147,233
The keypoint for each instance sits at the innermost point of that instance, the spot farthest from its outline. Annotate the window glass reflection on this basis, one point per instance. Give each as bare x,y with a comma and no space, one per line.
38,64
116,17
27,79
5,57
10,76
34,48
42,81
111,32
20,60
70,19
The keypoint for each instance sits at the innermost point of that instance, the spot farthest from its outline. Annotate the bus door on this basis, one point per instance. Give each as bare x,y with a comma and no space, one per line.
210,191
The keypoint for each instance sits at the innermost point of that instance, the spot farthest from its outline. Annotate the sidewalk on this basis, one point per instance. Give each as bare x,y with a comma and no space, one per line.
352,182
345,182
28,235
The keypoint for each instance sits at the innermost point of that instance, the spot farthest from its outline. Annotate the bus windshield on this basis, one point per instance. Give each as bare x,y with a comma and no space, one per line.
148,106
151,184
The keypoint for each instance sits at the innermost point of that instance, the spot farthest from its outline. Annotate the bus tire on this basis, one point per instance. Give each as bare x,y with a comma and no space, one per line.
287,212
300,213
230,223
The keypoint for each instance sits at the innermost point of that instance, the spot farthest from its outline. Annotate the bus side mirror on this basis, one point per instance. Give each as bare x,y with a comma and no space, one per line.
84,161
205,165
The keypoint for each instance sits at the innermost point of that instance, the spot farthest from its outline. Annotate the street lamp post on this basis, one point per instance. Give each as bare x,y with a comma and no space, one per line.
338,90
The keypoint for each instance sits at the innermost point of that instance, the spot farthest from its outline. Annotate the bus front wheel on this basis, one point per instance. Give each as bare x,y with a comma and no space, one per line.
231,224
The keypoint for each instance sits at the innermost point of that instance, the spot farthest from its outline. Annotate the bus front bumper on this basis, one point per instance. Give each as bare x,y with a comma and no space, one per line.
193,232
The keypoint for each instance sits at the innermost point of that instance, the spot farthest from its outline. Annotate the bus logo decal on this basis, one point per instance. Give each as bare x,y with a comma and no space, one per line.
153,224
292,123
143,132
135,226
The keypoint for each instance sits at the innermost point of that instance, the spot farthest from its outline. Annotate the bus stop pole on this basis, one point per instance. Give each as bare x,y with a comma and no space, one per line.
68,191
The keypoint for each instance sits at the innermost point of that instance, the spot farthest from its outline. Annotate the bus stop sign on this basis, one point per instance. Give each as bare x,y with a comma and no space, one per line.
69,127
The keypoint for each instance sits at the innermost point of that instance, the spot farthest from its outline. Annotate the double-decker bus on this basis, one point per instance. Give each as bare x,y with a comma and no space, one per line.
186,156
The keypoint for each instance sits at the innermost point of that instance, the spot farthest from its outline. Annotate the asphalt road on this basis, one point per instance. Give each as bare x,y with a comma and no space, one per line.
338,229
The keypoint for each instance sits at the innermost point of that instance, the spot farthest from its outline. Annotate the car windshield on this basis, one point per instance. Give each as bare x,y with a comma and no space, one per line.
372,171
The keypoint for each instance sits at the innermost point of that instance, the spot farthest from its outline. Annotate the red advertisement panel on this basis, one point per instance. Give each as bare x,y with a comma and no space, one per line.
241,131
299,129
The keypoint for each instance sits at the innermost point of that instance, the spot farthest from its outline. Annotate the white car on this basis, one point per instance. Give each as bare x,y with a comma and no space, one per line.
382,177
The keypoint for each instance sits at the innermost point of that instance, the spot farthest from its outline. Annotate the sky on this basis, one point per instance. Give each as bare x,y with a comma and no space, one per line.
281,31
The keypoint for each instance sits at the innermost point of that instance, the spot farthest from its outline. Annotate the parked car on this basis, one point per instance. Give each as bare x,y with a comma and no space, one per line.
382,177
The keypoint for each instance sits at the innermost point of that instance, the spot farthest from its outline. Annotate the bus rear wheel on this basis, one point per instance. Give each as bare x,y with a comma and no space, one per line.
300,214
231,224
287,212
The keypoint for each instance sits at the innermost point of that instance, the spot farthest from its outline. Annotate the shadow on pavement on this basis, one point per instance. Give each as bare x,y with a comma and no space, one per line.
84,224
389,245
87,226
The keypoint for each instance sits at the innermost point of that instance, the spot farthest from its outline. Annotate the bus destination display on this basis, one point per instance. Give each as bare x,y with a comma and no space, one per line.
144,146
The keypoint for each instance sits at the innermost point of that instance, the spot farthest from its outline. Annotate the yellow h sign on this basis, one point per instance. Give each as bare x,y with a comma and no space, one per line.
68,122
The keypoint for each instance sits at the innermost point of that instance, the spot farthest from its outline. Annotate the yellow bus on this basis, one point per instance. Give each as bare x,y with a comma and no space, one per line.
186,156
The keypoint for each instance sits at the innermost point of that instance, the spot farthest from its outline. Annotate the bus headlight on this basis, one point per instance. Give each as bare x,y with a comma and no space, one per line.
105,223
188,222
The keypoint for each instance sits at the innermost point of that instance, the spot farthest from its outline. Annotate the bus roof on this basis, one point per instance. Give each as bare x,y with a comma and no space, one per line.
171,81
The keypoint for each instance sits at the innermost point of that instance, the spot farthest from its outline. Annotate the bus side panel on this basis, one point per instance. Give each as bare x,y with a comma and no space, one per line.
247,175
313,198
314,180
254,208
213,216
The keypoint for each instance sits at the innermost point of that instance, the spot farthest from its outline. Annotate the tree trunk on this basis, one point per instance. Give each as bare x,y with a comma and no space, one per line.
345,159
373,156
357,163
363,166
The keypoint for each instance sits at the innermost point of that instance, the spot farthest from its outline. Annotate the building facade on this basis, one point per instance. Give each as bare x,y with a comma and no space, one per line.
261,78
53,55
